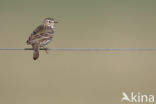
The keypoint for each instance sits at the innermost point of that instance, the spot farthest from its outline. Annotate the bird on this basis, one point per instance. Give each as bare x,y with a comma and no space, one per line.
41,36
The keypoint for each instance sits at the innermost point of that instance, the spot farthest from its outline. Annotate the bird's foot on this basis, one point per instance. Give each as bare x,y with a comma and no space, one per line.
46,49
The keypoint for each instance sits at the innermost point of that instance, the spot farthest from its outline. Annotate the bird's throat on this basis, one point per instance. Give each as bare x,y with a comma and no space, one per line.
52,26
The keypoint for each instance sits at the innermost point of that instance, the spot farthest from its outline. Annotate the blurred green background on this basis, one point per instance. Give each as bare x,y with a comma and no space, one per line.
78,77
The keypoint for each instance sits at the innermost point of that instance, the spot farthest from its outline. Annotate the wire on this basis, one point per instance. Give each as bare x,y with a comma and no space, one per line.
86,49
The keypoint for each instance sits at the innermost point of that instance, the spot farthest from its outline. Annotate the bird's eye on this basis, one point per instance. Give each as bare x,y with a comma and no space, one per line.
49,21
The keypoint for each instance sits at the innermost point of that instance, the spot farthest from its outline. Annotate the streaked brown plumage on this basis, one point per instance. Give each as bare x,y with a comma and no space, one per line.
41,36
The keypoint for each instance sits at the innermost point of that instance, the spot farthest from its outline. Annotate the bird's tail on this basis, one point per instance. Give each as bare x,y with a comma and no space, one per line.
36,51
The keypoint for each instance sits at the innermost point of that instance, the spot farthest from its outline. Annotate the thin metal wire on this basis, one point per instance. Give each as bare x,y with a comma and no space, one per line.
86,49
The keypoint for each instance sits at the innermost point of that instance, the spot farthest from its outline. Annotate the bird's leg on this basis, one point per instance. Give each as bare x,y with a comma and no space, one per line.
46,49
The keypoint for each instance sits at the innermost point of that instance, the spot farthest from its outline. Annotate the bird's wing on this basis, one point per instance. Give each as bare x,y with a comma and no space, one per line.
36,34
39,29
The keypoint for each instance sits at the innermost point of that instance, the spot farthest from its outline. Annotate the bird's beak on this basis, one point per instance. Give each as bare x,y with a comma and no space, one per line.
56,22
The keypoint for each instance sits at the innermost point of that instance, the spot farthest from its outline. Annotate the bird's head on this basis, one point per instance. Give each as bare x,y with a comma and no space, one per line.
49,22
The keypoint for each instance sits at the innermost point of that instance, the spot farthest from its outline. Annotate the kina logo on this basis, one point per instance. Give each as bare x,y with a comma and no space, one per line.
137,98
